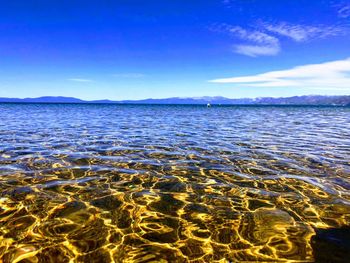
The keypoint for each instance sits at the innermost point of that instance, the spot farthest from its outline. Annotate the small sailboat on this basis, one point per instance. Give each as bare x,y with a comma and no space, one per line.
208,105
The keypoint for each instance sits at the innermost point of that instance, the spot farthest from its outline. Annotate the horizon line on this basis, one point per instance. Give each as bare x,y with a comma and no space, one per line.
165,98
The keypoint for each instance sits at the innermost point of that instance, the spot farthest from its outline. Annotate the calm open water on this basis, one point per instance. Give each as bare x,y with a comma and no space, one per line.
136,183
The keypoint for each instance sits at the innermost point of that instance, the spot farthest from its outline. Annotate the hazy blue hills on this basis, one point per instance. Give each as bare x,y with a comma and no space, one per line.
296,100
46,99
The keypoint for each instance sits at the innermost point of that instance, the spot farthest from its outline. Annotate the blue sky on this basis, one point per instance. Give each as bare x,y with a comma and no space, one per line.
139,49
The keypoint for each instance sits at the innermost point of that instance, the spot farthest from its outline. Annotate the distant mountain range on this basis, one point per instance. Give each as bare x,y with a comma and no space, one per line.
296,100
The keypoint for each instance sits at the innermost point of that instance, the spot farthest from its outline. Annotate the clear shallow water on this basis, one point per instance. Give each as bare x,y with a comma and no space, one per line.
104,183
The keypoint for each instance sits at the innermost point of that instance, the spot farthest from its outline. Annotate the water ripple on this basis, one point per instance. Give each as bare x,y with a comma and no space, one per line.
108,183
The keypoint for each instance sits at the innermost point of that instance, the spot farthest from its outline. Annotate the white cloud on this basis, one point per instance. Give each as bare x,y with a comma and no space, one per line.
263,44
302,33
256,50
264,38
129,75
334,75
344,11
253,35
80,80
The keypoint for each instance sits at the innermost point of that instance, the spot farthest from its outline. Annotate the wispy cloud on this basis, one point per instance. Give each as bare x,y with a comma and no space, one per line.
265,38
129,75
227,2
334,75
80,80
257,50
344,11
253,35
301,33
258,43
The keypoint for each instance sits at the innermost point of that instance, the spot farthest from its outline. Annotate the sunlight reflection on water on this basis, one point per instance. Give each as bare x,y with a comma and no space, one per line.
136,183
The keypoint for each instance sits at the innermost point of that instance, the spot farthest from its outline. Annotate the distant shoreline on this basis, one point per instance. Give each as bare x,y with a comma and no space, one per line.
311,100
172,104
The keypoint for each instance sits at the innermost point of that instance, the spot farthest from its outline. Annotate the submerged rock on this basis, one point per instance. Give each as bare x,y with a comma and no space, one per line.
331,245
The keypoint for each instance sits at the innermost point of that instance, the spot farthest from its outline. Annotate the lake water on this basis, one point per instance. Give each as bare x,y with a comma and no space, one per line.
137,183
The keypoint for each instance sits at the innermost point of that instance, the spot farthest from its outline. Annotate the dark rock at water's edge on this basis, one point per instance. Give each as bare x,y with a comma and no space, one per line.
296,100
331,245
